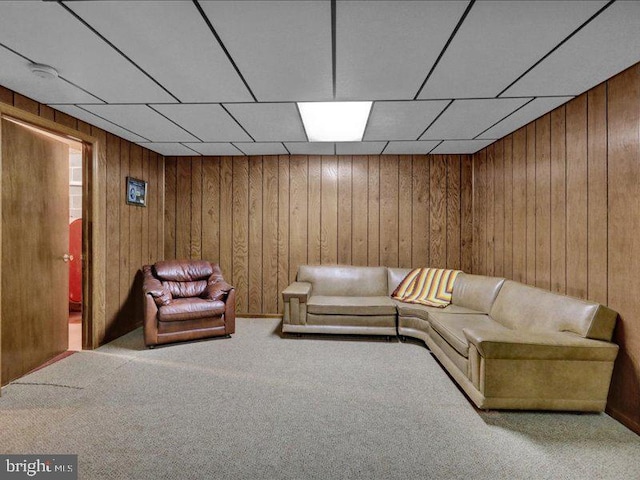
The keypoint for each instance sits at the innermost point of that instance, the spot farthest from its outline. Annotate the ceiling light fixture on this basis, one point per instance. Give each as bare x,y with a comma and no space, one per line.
43,71
334,121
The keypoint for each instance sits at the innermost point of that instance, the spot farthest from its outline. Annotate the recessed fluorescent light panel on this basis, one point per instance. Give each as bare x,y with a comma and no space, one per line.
334,121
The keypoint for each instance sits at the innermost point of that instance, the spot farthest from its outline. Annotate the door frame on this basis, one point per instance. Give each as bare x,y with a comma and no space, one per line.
93,219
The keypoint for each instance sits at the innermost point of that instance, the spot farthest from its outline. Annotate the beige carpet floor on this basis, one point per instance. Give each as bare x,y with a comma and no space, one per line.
260,406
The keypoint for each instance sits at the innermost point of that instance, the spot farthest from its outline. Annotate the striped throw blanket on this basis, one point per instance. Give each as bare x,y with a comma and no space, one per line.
427,286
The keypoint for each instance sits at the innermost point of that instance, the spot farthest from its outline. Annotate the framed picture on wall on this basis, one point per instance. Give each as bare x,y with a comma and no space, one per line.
136,193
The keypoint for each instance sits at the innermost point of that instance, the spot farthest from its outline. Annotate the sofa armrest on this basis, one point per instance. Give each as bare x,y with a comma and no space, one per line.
299,290
517,344
295,298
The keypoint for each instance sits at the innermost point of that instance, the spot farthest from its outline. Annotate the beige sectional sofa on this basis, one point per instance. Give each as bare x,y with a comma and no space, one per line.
507,345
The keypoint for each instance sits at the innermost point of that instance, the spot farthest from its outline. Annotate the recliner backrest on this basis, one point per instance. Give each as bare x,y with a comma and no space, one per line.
186,278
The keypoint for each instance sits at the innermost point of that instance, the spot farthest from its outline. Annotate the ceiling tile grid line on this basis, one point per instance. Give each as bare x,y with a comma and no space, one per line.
175,123
504,118
101,37
224,48
444,49
108,121
236,120
548,54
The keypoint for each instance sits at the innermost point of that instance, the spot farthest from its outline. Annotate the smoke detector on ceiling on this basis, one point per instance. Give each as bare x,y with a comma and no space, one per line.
43,71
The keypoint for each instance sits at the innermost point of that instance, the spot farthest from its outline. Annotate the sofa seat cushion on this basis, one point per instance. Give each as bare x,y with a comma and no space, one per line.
450,327
422,311
326,305
190,309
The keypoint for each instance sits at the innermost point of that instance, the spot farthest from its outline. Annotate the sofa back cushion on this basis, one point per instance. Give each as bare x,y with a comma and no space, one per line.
394,277
522,307
476,292
344,281
183,270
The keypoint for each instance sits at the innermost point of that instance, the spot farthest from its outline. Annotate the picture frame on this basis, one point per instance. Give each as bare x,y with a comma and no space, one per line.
136,192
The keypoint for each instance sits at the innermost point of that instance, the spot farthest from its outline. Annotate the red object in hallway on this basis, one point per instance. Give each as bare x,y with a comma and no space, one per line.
75,265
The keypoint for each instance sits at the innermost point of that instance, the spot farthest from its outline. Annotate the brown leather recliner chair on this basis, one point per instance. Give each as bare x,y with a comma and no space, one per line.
186,300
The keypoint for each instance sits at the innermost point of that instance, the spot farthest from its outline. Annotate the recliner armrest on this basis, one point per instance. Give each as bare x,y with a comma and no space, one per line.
517,344
299,290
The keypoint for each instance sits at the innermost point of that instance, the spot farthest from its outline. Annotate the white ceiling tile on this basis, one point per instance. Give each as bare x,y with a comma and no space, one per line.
45,32
269,122
90,118
385,49
143,120
171,41
262,148
410,148
461,146
169,149
498,41
214,149
603,48
208,122
359,148
401,120
465,119
532,110
15,74
310,148
282,48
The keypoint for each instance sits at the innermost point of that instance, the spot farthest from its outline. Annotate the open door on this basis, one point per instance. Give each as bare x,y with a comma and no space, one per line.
35,239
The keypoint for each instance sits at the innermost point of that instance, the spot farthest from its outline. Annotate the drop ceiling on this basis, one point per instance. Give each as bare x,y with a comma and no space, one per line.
223,77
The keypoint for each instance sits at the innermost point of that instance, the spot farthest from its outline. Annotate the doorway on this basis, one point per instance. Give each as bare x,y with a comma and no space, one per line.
37,204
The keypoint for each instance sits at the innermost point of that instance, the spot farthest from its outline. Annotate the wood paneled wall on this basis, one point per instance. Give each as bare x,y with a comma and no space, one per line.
261,217
557,205
133,236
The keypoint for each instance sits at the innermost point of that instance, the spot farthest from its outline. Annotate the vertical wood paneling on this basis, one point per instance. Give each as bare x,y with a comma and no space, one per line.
135,223
298,195
479,211
389,211
153,214
498,209
507,159
360,166
270,221
623,120
543,202
373,199
144,212
283,226
226,217
531,204
255,234
183,208
125,220
519,161
490,214
576,196
558,202
453,212
597,194
114,194
420,212
195,246
211,209
344,210
329,212
313,209
241,232
405,212
466,213
170,188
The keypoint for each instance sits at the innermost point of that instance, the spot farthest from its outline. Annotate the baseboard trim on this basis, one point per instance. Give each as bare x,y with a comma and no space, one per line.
624,419
259,315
